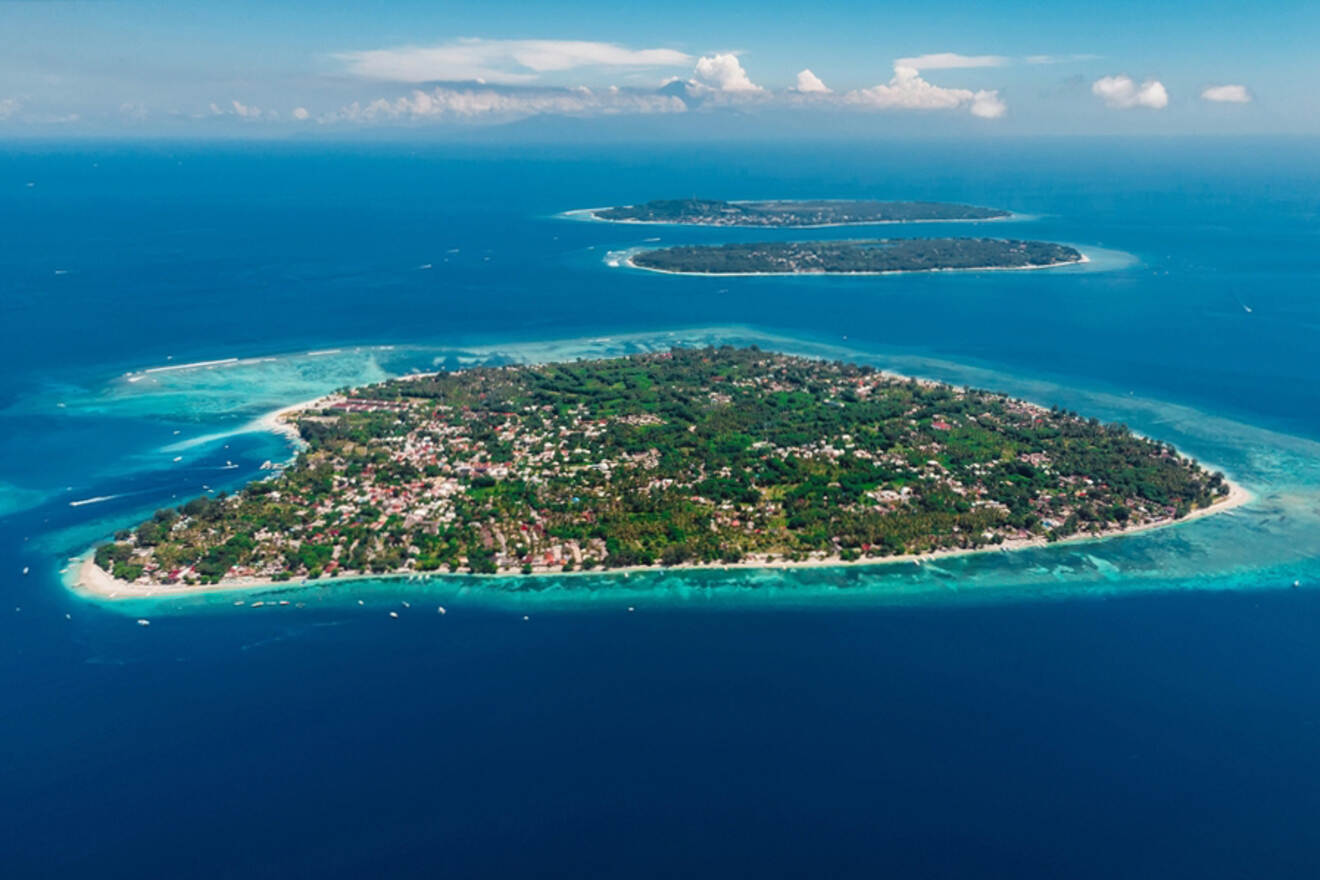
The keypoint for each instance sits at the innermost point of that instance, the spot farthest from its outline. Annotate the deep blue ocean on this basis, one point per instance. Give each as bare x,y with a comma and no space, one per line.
1142,707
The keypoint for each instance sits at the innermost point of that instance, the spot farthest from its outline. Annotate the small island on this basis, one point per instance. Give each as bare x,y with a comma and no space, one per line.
790,213
691,457
871,257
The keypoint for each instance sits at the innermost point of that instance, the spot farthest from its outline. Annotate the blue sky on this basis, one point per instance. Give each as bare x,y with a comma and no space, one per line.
243,68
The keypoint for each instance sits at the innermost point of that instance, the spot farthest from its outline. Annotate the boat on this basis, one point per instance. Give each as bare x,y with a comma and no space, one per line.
25,569
142,621
394,614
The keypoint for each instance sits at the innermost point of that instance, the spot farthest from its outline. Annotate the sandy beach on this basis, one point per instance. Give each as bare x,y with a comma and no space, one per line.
93,582
278,420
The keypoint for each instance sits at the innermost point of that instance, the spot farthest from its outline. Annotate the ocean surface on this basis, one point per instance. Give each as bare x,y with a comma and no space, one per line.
1140,707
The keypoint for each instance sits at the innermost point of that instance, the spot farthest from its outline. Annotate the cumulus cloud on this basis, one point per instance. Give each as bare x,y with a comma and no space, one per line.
718,81
240,110
949,61
1122,93
1227,94
724,73
906,90
8,107
810,84
506,62
504,104
987,104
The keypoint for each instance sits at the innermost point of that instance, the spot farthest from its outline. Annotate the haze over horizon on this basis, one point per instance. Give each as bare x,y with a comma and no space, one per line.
682,70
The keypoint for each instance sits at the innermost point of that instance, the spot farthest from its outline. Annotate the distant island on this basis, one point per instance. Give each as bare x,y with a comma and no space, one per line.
787,213
713,456
870,257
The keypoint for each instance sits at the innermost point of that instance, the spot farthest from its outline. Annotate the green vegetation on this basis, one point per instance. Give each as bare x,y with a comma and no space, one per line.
712,212
880,255
703,456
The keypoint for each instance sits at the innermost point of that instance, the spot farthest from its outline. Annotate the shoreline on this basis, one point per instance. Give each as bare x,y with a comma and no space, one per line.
631,264
275,421
94,583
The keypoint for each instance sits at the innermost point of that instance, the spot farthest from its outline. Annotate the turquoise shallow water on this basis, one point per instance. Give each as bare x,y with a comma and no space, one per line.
1265,543
1137,707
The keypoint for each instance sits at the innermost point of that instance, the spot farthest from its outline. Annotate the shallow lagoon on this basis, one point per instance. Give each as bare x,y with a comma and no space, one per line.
219,402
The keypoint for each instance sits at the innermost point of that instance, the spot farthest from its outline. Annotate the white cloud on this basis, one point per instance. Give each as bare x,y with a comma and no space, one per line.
724,73
809,83
1227,94
1122,93
134,111
506,62
301,114
242,111
504,104
988,105
908,91
950,60
8,107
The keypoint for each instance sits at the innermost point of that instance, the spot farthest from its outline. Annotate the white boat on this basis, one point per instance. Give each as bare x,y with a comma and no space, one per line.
142,621
394,614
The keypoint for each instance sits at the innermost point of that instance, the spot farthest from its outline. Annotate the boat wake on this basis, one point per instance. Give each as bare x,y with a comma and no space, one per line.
96,500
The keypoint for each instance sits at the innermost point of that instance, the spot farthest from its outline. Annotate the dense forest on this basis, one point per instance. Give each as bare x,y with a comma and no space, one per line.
702,456
712,212
857,257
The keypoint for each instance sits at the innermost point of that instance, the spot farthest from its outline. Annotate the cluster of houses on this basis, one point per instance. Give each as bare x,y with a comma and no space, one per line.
444,466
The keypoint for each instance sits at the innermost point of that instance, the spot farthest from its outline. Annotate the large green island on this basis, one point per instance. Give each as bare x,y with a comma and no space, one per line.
689,457
790,213
868,257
